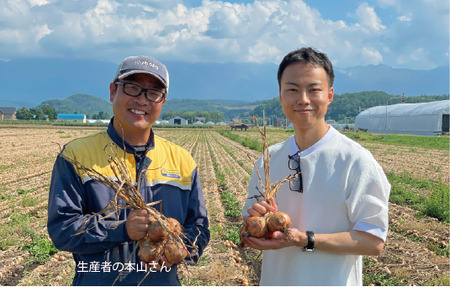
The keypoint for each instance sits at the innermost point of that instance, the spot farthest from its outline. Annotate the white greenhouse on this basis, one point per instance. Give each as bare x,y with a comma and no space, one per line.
417,119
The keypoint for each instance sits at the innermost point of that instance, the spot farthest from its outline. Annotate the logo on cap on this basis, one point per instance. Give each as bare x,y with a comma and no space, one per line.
147,64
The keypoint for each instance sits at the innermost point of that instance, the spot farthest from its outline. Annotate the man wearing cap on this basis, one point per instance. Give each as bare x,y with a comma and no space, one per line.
106,252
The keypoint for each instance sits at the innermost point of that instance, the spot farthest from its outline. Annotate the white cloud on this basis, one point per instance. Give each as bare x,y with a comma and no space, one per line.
262,52
368,18
373,56
404,18
260,31
13,13
38,2
40,32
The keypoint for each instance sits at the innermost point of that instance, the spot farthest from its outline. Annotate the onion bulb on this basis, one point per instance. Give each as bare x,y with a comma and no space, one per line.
257,226
156,232
175,251
149,251
175,226
278,221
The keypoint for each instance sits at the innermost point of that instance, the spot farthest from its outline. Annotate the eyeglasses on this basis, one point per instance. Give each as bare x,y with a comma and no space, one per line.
295,184
133,90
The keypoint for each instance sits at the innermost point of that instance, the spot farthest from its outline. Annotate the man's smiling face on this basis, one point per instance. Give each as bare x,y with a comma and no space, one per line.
305,95
135,115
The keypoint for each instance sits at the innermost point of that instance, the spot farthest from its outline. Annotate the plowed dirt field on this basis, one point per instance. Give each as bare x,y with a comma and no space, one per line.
27,157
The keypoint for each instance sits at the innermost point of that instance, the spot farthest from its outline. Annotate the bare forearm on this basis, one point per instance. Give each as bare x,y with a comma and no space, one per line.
353,242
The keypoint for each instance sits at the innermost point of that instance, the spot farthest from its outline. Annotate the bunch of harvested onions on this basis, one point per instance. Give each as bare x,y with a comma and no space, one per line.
162,240
264,226
164,236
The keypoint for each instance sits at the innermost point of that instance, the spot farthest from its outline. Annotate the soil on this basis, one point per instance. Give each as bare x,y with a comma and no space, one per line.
411,255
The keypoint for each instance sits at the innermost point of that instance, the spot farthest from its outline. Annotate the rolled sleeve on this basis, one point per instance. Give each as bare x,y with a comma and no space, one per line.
368,203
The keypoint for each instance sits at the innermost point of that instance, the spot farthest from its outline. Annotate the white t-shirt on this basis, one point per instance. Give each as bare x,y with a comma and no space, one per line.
344,188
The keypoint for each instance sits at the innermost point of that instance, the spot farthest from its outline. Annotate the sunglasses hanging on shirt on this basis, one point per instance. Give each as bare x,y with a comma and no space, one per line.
295,184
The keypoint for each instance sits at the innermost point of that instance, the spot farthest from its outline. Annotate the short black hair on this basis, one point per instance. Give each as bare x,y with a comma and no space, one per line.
307,55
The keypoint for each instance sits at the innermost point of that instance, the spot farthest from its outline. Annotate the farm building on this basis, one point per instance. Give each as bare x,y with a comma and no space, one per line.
7,113
417,119
178,121
75,118
97,121
200,119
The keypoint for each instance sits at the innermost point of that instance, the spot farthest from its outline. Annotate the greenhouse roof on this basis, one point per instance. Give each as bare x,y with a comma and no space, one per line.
431,108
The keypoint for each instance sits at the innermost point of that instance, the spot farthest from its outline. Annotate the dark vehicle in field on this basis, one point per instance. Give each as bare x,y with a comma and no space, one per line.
238,126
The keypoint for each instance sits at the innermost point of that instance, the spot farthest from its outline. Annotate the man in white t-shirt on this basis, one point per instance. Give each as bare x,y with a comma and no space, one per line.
339,202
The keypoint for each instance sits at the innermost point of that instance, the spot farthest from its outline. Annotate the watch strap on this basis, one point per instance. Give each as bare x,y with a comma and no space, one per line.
310,246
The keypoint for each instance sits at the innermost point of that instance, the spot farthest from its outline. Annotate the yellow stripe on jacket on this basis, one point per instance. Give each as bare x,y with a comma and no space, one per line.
170,163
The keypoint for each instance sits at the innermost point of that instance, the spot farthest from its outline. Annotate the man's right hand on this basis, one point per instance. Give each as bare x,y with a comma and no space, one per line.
260,208
137,224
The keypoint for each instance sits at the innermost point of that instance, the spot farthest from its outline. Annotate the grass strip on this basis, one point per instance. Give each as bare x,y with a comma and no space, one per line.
434,205
427,142
245,141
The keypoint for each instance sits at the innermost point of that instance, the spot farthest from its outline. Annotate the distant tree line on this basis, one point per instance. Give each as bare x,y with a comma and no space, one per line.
210,116
91,106
343,107
43,113
99,116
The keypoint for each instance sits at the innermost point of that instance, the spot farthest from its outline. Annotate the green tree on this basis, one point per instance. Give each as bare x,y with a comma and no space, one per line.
23,114
269,108
101,116
50,112
167,115
37,114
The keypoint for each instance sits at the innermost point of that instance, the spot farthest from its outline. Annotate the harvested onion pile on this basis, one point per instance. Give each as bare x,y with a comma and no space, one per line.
163,238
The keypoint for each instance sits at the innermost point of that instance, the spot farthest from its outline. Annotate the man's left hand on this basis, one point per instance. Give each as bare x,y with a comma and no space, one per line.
278,240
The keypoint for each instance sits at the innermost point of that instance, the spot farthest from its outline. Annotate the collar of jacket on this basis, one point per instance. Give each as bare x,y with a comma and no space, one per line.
125,145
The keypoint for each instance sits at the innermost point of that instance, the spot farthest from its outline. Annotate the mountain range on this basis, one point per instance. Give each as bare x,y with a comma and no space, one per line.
28,82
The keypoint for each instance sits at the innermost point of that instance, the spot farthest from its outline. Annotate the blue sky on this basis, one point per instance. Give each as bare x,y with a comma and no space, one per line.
397,33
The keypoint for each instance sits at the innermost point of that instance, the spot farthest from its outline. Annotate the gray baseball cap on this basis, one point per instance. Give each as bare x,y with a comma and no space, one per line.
143,64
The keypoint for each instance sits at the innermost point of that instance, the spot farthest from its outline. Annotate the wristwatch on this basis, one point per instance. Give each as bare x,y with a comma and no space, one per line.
310,246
